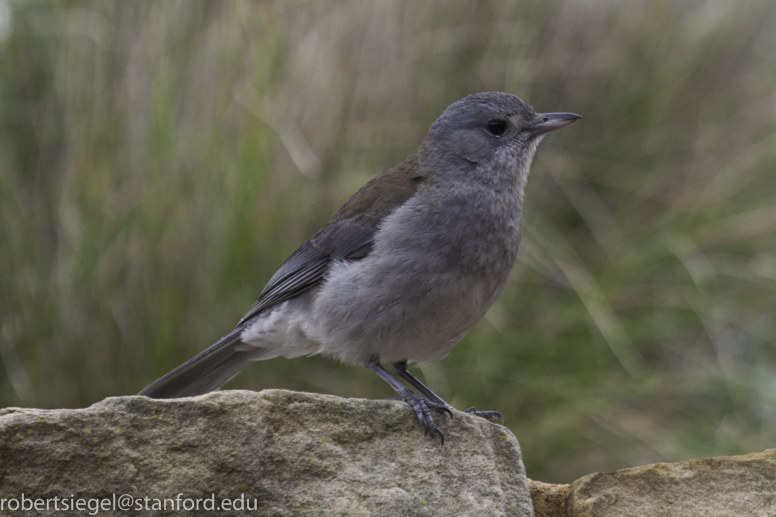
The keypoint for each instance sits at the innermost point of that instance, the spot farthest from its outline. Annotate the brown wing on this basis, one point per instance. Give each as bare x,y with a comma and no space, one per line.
349,235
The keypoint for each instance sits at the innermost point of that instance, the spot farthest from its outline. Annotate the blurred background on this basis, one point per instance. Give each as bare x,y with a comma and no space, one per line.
159,161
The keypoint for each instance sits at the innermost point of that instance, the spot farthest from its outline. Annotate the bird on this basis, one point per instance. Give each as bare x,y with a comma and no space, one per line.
405,268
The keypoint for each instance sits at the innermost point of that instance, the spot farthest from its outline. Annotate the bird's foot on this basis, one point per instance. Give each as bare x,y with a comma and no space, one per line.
423,409
487,415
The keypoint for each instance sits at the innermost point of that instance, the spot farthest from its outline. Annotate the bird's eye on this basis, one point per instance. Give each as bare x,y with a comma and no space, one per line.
497,127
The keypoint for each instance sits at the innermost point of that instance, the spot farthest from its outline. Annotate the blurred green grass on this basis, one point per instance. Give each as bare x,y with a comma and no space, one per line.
159,160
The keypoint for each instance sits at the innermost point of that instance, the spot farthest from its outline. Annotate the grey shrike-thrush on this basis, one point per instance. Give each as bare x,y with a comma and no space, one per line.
405,268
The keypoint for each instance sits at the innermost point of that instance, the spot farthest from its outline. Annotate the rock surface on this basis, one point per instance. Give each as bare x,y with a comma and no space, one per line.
725,486
549,500
285,453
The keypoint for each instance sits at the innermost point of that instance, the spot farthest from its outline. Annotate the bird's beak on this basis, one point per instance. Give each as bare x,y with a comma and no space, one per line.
551,121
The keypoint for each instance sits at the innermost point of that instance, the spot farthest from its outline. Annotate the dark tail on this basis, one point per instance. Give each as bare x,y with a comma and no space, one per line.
206,372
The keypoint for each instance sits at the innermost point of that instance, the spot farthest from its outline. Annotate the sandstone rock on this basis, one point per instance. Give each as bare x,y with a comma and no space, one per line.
549,500
725,486
284,453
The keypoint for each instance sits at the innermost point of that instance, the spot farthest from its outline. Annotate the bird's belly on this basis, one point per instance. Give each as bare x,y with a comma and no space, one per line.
394,308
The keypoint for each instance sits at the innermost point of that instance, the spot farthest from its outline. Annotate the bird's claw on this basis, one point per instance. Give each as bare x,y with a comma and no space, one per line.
487,415
423,409
442,408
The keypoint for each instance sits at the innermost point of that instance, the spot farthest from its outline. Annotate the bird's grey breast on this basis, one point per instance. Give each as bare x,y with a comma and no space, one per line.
470,231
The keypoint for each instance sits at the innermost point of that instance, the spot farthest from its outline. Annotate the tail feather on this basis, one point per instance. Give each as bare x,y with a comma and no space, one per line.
207,371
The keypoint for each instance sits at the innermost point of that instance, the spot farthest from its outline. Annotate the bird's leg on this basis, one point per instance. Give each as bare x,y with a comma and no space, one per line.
421,406
401,370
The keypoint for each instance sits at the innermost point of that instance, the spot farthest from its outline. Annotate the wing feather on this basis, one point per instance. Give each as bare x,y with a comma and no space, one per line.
349,235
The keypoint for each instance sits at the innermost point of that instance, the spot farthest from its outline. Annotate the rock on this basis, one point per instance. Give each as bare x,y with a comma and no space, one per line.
549,500
725,486
284,453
